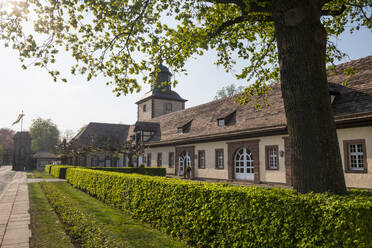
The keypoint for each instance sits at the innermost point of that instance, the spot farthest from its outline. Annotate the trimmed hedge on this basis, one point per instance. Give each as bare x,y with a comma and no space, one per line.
59,171
156,171
217,215
80,226
47,168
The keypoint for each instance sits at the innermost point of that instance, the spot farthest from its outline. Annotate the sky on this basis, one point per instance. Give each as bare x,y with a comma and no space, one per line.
76,103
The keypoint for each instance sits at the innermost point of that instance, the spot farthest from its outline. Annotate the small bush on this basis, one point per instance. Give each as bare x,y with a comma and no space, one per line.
217,215
80,226
155,171
59,171
47,168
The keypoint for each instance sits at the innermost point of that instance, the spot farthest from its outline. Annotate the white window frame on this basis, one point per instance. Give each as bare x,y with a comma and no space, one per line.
221,122
273,158
358,155
220,159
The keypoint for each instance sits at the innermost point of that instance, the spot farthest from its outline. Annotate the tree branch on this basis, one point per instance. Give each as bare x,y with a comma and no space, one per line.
245,7
240,19
334,12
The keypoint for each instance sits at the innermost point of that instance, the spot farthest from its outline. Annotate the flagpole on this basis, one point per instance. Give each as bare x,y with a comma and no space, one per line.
22,121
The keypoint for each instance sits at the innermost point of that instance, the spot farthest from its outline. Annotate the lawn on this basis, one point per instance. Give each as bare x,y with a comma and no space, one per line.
119,223
47,231
38,174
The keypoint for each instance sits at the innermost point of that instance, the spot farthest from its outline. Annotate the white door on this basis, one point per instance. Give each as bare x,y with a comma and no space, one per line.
184,161
244,169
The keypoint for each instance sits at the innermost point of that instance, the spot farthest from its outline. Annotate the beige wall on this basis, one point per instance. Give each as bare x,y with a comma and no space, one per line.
270,176
159,106
144,116
357,180
165,157
210,170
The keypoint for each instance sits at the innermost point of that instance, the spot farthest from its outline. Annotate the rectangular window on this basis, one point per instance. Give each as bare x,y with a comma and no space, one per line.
144,107
171,159
148,159
168,107
201,159
219,159
160,159
180,130
221,122
272,157
355,156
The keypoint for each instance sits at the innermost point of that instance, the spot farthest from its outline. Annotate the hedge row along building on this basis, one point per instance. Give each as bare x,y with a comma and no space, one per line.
223,140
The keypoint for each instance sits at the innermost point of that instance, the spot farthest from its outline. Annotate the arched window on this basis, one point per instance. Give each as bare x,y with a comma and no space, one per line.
244,168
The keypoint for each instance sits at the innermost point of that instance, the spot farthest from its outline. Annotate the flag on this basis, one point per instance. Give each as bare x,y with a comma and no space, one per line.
20,116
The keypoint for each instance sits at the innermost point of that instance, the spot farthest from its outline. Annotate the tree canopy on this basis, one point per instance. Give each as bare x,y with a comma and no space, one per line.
229,90
6,139
122,39
288,40
44,135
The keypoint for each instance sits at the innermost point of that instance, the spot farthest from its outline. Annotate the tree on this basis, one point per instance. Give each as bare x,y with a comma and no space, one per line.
279,39
6,139
1,151
44,135
68,135
229,90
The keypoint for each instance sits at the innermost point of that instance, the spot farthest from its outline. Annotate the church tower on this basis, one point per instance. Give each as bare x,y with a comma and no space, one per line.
161,99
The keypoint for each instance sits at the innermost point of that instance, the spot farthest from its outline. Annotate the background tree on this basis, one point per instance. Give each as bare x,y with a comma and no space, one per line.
6,139
229,90
68,135
1,153
278,39
44,135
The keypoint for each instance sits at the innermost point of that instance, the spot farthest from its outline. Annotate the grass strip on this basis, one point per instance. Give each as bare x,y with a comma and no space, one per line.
119,223
38,174
46,229
80,226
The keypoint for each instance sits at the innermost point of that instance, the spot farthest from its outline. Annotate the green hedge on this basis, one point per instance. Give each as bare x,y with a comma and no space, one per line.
47,168
129,170
80,226
59,171
217,215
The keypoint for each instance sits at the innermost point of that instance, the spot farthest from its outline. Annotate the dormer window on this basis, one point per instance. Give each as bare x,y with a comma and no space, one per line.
221,122
227,120
333,92
185,128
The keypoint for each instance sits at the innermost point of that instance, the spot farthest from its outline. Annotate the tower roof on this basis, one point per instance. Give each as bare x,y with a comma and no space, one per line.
168,95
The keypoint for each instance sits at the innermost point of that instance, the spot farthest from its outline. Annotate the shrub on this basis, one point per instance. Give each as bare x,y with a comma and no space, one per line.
59,171
217,215
80,226
155,171
47,168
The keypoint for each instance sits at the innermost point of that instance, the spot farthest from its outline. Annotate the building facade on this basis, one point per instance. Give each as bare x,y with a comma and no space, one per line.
223,140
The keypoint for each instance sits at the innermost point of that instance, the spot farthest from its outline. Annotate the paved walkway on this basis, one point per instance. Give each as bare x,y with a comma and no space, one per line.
14,214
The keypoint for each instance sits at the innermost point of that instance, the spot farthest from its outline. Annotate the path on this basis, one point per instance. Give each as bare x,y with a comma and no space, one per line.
14,209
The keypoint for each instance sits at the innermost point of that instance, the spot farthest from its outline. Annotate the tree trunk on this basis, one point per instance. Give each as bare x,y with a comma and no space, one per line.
301,42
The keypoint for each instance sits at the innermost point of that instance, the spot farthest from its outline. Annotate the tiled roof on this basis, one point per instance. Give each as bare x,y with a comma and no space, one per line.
115,133
354,99
158,93
44,155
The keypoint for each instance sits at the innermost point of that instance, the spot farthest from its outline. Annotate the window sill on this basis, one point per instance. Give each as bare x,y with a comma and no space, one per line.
356,171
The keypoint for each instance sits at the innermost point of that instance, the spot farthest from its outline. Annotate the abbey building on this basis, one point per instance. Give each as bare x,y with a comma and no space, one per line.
222,140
